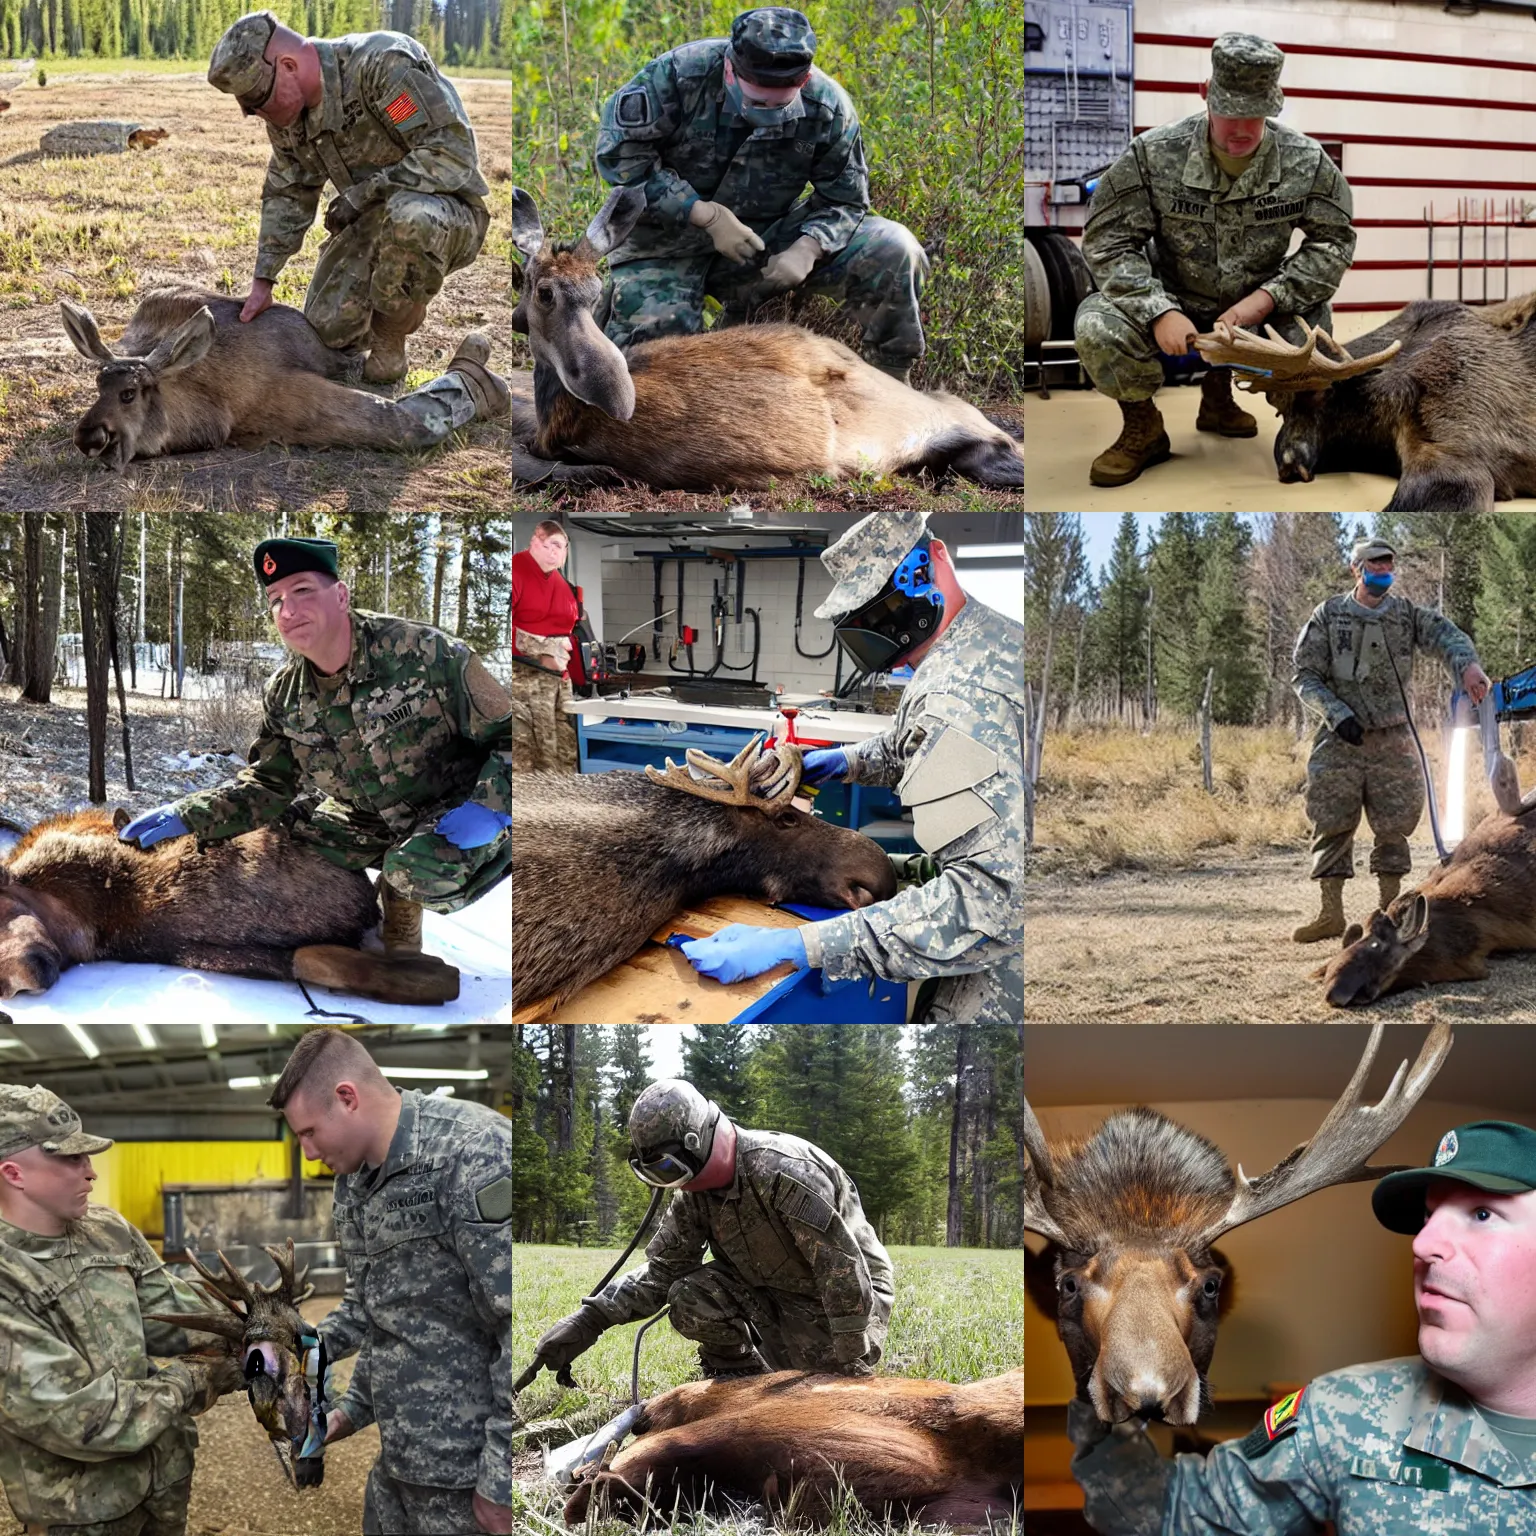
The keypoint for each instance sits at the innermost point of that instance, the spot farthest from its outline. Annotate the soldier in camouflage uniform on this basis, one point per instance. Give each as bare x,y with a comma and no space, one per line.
1363,757
370,114
798,1279
94,1441
956,754
423,1212
398,758
1218,196
725,137
1409,1445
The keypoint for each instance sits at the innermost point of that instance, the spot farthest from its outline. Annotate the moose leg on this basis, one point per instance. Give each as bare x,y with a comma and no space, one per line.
397,979
1435,480
262,962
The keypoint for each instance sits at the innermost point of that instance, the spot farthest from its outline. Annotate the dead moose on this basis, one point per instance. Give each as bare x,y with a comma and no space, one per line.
258,905
1442,396
1131,1214
925,1451
600,861
187,376
730,409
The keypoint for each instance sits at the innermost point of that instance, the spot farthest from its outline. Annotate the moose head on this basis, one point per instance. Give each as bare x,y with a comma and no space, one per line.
1131,1215
1372,957
282,1356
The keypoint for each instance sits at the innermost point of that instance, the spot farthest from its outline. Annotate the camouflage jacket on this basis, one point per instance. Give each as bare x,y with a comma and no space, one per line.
790,1221
1342,662
957,753
412,730
1217,240
427,1243
672,131
87,1426
386,117
1380,1450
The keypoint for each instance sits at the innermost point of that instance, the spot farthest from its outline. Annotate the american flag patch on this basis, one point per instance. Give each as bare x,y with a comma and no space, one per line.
401,109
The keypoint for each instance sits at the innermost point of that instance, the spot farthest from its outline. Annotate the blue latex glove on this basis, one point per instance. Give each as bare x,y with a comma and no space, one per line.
823,765
154,827
740,951
470,825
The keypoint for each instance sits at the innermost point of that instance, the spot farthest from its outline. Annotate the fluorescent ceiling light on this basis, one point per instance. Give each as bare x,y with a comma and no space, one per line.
990,552
83,1040
146,1039
252,1082
210,1036
438,1075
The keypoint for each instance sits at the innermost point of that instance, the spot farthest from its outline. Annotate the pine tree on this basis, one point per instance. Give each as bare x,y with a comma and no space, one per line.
1506,605
1173,564
717,1060
1122,615
1224,639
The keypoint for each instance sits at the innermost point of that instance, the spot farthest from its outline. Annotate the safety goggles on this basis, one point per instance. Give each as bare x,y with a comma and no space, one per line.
664,1167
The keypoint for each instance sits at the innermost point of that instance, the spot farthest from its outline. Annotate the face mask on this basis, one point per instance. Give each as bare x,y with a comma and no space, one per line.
1377,581
762,117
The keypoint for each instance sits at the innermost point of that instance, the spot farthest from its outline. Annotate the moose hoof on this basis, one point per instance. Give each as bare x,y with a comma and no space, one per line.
405,979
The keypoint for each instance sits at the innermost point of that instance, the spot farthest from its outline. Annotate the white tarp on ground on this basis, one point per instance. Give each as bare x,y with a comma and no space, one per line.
478,940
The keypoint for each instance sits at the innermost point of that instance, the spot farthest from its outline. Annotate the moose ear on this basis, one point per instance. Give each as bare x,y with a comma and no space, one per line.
1352,935
1414,928
612,222
187,344
120,819
80,326
527,231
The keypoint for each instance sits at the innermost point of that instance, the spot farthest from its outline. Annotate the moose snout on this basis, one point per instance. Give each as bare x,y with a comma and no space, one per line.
92,438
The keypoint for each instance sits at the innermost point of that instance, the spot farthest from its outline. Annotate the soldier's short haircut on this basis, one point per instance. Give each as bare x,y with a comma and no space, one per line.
322,1058
549,527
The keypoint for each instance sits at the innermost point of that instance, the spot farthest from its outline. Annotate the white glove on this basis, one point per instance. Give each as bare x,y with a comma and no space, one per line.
789,268
732,239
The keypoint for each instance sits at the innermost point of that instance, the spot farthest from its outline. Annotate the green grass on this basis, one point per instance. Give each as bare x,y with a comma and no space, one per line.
958,1316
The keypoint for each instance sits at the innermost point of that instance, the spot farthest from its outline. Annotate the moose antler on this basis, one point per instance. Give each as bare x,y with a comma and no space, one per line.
231,1289
1279,365
1039,1175
1336,1154
780,769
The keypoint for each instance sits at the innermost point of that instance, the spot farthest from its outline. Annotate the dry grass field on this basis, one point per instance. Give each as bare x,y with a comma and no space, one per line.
100,230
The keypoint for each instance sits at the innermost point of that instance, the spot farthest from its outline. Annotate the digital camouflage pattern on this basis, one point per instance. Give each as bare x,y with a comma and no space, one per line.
90,1432
1379,1450
961,718
860,562
789,1230
364,769
391,133
1245,76
393,1508
1215,240
427,1243
38,1117
772,44
1343,668
543,735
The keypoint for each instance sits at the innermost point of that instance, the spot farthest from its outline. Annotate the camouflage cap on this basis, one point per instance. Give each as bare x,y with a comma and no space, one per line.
862,560
672,1110
772,45
1496,1155
240,65
1371,549
36,1117
276,558
1245,76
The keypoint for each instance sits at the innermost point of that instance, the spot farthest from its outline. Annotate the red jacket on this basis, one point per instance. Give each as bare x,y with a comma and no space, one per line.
542,604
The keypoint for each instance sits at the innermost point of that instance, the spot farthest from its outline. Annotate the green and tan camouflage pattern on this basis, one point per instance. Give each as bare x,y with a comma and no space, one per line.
775,30
1245,76
38,1117
1216,240
415,727
426,1239
967,926
790,1225
543,734
861,561
1381,779
89,1431
1379,1450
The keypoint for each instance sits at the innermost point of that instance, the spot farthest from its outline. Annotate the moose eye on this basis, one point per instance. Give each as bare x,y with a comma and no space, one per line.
126,395
546,293
1211,1289
1067,1285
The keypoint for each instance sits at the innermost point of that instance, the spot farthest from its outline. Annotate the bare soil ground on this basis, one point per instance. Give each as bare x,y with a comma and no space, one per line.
100,230
1212,945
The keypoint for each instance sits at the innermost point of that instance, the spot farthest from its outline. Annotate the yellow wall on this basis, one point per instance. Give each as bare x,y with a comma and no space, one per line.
130,1173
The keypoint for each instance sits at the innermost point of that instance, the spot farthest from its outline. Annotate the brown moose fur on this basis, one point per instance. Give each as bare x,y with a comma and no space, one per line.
927,1450
71,892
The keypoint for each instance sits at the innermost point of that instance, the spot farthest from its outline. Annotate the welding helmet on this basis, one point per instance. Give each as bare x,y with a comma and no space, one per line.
901,616
671,1133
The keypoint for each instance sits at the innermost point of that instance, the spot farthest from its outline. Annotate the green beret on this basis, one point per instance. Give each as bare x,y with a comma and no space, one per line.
1245,76
1371,549
772,45
276,558
239,64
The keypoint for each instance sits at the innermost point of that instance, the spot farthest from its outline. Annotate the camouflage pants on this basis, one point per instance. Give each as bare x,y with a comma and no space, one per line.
713,1305
163,1513
878,277
396,252
422,866
1382,777
1121,357
393,1508
543,735
993,996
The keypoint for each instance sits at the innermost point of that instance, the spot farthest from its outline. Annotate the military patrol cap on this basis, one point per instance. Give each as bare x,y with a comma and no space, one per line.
863,559
1371,549
1245,76
772,45
276,558
35,1117
1496,1155
240,65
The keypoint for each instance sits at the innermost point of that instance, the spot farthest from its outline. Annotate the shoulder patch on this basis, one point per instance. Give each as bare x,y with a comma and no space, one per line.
797,1203
1279,1421
494,1202
633,109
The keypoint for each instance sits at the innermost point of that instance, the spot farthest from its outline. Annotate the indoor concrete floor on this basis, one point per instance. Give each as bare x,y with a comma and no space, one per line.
1206,473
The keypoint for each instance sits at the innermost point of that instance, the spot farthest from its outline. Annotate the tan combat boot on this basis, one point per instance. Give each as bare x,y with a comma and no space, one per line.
1219,412
386,360
489,391
400,930
1387,887
1329,923
1142,442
